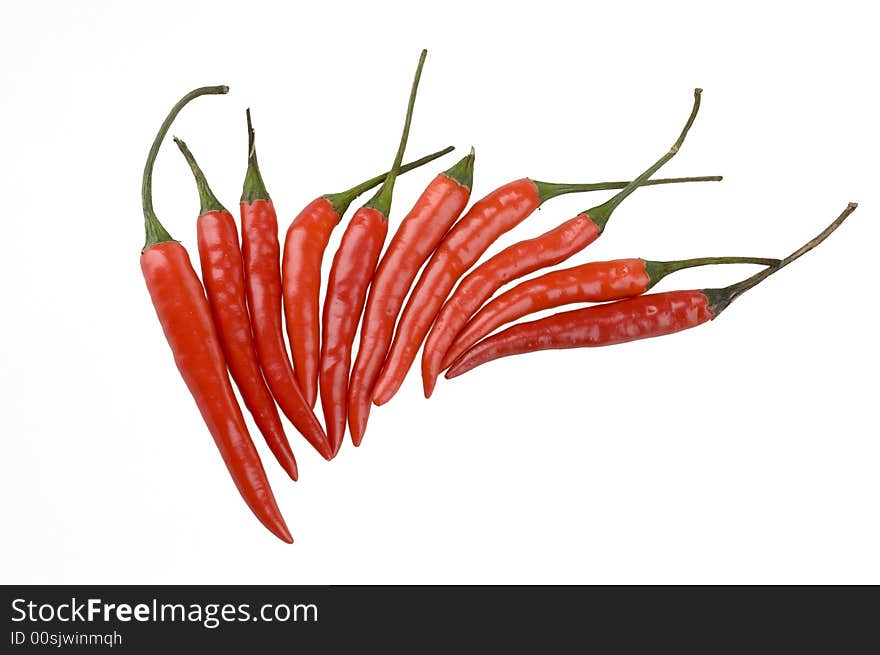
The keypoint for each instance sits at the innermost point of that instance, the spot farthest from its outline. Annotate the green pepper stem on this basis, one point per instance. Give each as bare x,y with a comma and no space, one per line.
601,213
254,188
463,170
381,202
341,201
658,270
155,232
719,299
208,200
548,190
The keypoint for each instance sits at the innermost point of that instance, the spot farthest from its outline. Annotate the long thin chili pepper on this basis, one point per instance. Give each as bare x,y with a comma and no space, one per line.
189,328
304,246
420,231
353,266
261,253
652,315
223,275
591,282
440,204
524,257
484,222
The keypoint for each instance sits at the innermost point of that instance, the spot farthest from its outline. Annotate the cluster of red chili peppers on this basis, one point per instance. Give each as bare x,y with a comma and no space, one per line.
253,290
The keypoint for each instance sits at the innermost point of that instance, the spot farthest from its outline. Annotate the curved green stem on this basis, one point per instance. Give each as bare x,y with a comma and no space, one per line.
548,190
658,270
254,188
601,213
381,202
341,201
155,232
719,299
208,200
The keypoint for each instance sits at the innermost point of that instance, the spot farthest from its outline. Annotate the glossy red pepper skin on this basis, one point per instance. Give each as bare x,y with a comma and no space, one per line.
517,260
304,246
261,252
591,282
223,275
421,230
484,222
527,256
642,317
530,256
186,319
353,266
188,324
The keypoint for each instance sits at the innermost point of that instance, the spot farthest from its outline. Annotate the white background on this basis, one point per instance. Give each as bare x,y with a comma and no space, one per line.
745,451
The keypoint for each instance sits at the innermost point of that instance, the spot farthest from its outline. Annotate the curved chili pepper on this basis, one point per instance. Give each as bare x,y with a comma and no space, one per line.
419,233
485,221
223,275
189,328
261,254
525,257
353,266
636,318
304,246
591,282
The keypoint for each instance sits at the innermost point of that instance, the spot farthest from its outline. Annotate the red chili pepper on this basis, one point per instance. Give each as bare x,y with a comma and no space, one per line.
592,282
484,222
223,275
189,328
304,246
642,317
525,257
419,233
261,252
350,275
